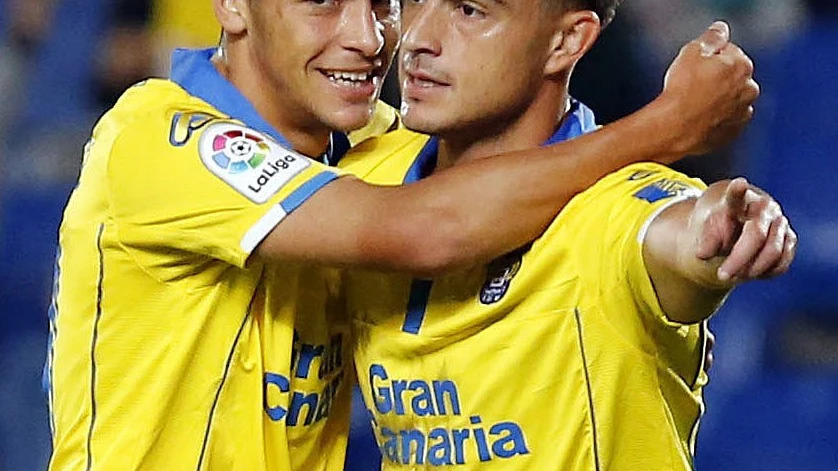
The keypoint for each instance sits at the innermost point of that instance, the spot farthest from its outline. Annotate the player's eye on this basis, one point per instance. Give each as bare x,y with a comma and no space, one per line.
470,11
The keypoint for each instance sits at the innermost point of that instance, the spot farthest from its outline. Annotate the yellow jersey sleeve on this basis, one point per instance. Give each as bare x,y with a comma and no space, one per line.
204,186
613,217
631,199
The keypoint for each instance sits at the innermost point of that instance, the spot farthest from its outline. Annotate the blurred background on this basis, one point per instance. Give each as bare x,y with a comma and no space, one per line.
773,399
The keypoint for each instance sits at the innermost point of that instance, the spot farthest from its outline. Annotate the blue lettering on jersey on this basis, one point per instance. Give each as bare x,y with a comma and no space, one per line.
437,398
282,383
661,190
439,446
305,407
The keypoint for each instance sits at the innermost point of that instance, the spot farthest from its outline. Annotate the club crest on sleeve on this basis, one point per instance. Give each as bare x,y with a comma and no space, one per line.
665,189
254,165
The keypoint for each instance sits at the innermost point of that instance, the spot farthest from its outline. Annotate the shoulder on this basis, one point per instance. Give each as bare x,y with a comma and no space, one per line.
158,138
385,158
621,201
162,106
152,117
644,182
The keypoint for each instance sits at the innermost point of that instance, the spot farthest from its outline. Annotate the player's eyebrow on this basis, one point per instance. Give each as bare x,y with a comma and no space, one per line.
500,3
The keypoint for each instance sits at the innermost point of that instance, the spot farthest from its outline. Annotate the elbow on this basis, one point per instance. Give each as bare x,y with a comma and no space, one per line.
431,260
423,247
434,251
442,245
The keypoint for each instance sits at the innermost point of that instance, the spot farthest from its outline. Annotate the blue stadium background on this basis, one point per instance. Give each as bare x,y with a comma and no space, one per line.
773,399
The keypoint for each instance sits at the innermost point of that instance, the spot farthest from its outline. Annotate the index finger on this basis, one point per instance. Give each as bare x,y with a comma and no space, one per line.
736,195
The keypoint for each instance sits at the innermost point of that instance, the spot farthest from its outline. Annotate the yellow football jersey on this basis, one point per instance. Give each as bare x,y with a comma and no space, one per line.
171,348
554,357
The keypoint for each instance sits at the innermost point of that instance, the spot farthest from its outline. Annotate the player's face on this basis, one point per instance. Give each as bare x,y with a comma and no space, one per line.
325,59
470,64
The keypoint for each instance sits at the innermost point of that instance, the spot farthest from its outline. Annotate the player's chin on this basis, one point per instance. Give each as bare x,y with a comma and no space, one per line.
351,117
415,119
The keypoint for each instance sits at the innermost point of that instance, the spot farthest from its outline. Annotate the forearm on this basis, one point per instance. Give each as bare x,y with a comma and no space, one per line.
682,297
688,288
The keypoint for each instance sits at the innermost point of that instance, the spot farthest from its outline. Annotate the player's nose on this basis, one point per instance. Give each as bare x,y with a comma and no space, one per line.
360,30
424,28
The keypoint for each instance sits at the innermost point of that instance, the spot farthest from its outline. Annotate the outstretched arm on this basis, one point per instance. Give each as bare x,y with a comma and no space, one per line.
475,212
696,251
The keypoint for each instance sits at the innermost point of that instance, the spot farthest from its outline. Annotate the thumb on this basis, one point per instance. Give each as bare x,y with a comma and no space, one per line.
714,39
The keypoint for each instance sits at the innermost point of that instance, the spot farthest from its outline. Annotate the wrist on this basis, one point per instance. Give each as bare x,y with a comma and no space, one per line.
670,140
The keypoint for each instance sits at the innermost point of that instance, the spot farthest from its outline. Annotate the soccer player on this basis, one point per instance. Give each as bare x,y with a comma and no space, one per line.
193,326
584,349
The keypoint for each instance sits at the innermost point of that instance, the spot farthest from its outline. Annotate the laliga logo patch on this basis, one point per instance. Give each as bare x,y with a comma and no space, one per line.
255,166
237,151
499,276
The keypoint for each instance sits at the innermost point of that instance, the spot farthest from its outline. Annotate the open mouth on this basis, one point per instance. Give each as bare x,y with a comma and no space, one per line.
352,79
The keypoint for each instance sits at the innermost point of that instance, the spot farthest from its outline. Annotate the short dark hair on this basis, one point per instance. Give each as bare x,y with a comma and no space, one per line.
605,9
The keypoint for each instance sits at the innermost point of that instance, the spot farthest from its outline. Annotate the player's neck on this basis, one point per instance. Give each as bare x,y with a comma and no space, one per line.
306,135
525,131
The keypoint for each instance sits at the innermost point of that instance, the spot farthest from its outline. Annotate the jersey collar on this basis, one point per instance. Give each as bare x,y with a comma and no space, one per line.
192,70
578,120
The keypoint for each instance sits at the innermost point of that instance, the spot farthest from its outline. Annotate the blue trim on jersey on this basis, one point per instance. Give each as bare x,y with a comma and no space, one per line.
425,162
305,191
578,120
194,71
420,290
417,305
52,315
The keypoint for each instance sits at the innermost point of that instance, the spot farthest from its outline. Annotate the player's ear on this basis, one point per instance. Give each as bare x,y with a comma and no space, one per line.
231,15
576,33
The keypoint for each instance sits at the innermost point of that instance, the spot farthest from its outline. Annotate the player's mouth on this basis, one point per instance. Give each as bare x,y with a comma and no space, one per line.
419,84
354,84
348,79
